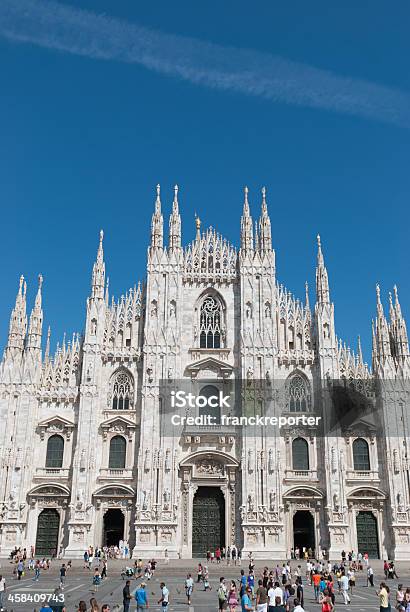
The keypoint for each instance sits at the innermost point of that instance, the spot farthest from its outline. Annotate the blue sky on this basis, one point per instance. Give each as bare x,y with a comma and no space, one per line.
308,100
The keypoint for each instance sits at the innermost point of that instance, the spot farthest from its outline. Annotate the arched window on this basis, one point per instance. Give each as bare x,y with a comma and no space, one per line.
122,391
298,394
361,456
210,323
214,411
300,454
118,448
55,451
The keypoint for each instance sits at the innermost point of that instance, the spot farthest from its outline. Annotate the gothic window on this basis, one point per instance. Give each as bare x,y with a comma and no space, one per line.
212,410
300,454
122,391
298,394
361,456
118,449
55,451
210,323
128,334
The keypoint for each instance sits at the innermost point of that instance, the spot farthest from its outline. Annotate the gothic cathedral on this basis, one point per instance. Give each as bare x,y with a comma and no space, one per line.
87,458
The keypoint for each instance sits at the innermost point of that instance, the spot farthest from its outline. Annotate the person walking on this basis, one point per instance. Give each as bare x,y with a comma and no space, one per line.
400,598
344,585
141,598
2,592
37,571
326,602
94,607
261,597
383,594
104,569
126,596
234,554
222,594
232,597
246,600
370,576
63,573
96,580
164,600
316,584
20,569
189,587
205,578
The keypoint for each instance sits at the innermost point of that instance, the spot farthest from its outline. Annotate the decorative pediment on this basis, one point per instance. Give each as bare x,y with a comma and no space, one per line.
119,425
303,493
362,428
55,425
368,493
114,491
50,490
210,365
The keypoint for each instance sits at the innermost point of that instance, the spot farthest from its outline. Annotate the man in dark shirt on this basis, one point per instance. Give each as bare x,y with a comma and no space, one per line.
261,597
126,596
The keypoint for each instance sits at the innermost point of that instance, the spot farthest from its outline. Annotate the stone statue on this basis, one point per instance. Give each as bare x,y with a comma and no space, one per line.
167,460
251,505
167,498
272,499
80,498
251,461
333,459
271,464
144,499
147,461
336,502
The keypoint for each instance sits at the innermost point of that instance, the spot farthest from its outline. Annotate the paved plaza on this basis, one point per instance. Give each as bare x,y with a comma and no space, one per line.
79,586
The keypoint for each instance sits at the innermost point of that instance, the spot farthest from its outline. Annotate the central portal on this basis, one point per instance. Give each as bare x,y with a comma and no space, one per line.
113,527
303,530
208,521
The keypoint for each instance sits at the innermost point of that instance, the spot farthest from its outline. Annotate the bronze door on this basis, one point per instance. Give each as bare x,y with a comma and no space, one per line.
367,536
208,521
47,533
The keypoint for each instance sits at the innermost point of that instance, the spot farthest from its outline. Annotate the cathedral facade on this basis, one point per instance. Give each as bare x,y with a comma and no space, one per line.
87,453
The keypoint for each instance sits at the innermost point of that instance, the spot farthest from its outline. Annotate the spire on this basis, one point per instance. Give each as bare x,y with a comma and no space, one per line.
35,329
107,292
98,277
392,312
265,234
307,296
175,223
47,351
246,225
18,320
381,332
256,237
398,329
359,350
157,223
322,282
397,303
198,227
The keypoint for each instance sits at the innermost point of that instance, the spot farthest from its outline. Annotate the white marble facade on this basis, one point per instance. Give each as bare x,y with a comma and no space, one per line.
59,415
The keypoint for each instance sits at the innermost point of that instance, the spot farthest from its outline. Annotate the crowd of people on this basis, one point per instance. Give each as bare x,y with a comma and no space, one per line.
277,589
